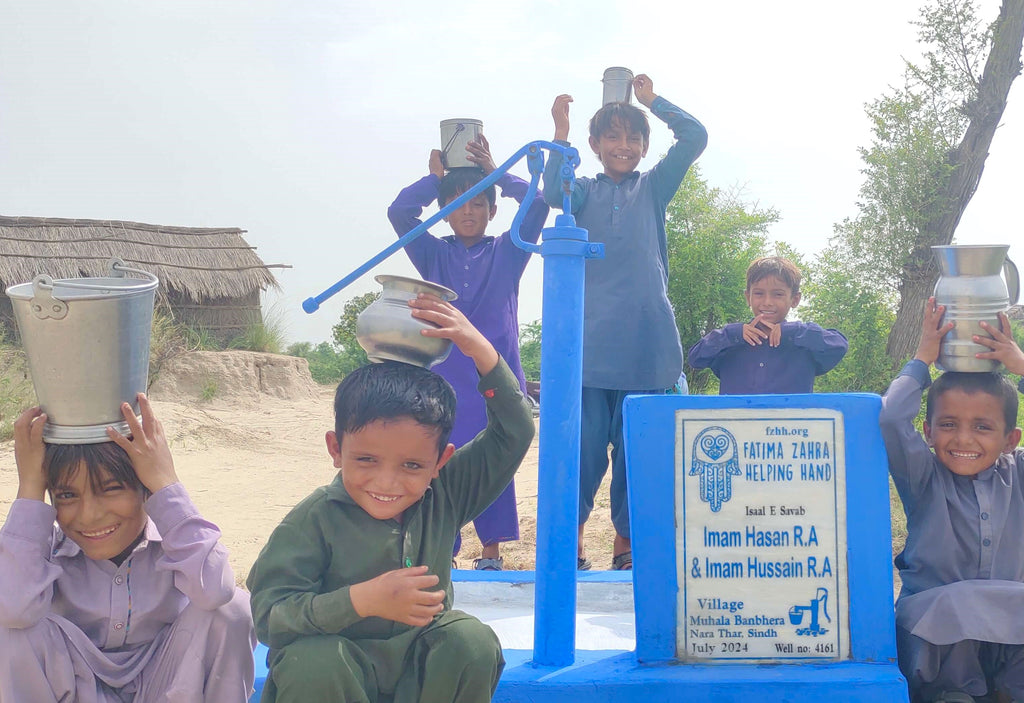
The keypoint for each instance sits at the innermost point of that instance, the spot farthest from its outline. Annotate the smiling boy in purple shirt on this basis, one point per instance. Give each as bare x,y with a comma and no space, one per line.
484,271
769,354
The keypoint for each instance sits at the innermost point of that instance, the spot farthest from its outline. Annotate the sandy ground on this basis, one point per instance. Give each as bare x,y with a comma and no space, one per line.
247,459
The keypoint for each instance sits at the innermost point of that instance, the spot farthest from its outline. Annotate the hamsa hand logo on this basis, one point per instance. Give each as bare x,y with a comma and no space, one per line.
715,459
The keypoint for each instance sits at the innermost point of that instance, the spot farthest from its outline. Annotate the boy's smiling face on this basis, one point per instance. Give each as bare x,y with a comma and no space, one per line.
772,298
388,465
103,523
619,150
968,431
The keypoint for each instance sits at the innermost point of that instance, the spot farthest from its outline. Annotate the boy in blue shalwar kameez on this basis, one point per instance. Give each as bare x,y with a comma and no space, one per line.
960,615
630,340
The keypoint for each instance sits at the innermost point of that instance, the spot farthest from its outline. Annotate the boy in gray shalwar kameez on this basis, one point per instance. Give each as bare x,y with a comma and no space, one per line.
960,615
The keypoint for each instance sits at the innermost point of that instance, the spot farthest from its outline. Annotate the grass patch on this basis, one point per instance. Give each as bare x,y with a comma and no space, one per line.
267,335
16,391
209,391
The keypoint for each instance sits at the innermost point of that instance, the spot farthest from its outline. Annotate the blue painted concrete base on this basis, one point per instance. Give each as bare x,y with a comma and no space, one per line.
260,655
614,677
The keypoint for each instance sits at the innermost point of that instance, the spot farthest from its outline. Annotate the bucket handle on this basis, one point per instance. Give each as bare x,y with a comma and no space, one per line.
45,306
116,268
460,127
1012,280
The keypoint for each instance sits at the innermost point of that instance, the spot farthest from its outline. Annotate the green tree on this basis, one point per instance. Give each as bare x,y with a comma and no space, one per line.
351,354
833,298
529,349
712,238
930,139
325,364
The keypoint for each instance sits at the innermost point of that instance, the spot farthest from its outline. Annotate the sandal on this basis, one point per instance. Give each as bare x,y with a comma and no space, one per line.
623,562
583,564
487,564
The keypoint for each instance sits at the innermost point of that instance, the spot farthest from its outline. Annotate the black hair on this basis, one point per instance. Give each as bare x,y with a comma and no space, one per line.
102,461
624,114
392,390
782,269
458,180
994,384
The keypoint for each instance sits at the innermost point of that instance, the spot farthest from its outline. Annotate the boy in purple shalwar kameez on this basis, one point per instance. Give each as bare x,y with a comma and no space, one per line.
960,614
484,272
130,596
769,354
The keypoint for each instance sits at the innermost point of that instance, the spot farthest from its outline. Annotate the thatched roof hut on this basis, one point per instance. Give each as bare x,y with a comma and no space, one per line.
209,277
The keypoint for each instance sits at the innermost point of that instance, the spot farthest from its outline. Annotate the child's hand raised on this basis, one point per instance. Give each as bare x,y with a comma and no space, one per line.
932,332
29,451
560,113
400,596
1004,348
147,449
643,89
453,325
435,165
479,152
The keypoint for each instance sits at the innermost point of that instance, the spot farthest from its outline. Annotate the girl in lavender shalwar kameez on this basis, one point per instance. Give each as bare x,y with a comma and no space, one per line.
960,614
484,272
127,597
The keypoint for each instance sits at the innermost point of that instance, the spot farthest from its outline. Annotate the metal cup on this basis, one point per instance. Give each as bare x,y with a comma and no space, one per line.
618,85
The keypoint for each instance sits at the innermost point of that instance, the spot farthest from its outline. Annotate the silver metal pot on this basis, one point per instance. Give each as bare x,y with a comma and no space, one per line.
972,290
387,330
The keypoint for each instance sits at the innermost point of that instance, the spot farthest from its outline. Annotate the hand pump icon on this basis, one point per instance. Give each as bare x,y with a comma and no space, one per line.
820,603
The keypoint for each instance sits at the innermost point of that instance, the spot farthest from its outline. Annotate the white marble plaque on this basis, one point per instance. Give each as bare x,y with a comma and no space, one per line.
761,535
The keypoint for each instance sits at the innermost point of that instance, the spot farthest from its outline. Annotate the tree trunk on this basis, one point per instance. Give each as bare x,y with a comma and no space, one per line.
906,330
968,162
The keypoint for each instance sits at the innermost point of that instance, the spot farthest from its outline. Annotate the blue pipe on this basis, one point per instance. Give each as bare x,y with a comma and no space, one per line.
561,378
564,250
570,155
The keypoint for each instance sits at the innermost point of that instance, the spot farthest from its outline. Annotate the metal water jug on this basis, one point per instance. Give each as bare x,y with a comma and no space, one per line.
387,331
972,290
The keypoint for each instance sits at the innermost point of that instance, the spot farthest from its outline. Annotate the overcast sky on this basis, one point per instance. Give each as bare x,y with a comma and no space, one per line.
300,120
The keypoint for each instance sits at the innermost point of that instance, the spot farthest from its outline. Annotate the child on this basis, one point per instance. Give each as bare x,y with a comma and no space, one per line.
959,625
769,354
129,596
352,593
485,272
630,339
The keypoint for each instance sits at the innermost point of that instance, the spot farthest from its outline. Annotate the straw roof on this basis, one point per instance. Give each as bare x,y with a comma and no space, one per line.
202,263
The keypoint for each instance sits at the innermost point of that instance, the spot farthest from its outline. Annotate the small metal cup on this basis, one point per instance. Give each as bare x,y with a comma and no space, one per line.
618,85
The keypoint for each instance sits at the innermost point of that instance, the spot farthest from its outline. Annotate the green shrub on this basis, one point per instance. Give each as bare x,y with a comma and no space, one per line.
267,335
326,365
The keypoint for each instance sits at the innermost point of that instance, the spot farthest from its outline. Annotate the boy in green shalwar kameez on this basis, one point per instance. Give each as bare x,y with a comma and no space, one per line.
352,593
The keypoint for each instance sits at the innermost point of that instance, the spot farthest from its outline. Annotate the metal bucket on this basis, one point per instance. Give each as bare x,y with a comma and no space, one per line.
972,290
618,85
87,343
455,135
